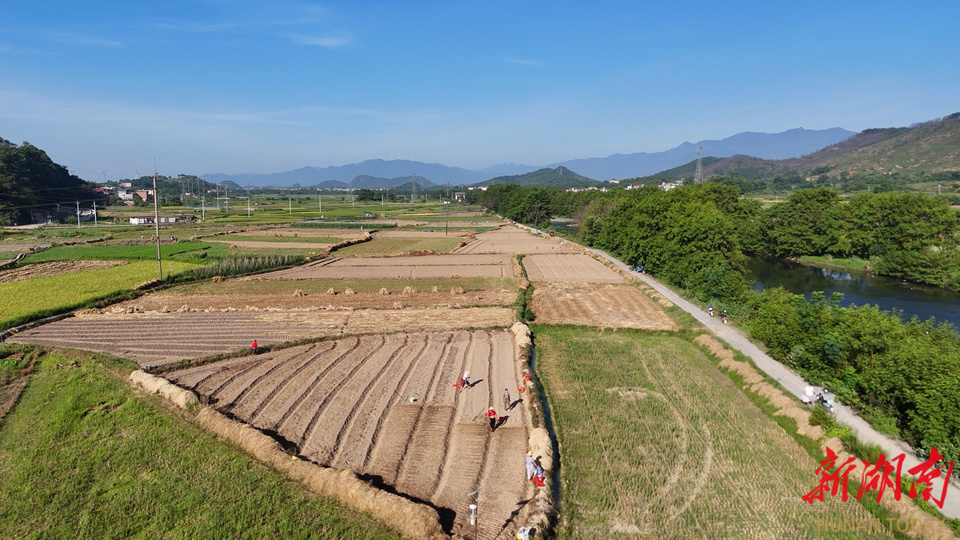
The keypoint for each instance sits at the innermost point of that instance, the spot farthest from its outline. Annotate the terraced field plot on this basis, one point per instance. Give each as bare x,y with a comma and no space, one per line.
509,239
603,305
154,338
384,406
657,442
569,268
410,267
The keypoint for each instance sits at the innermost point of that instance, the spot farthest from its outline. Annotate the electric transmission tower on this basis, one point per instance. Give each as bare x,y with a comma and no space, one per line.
698,178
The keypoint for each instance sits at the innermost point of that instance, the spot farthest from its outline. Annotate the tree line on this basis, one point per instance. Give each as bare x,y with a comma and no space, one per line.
30,180
902,376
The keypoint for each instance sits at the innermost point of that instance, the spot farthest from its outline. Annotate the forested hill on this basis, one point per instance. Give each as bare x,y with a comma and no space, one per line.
30,180
925,148
561,177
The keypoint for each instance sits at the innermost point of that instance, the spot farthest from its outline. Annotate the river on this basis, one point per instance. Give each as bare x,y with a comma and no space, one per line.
858,288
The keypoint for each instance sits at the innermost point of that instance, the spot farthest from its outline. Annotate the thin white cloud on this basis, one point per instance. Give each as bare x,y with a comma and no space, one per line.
329,42
79,39
523,61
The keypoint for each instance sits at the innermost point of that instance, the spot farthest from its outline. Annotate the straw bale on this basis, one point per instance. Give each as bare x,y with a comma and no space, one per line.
413,520
540,445
185,399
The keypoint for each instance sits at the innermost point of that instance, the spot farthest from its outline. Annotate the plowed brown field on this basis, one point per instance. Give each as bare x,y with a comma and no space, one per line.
155,338
569,268
509,239
409,267
384,406
606,305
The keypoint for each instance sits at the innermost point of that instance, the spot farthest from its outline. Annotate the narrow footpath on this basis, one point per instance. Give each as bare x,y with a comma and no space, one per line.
795,384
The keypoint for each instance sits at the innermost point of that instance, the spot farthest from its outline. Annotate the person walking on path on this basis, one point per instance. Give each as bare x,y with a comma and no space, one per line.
466,379
492,416
506,399
253,347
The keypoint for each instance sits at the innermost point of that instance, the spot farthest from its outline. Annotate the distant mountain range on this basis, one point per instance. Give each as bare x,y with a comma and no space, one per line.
791,143
928,147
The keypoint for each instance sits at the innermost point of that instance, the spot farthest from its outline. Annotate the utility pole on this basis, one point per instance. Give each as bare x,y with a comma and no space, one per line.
320,202
94,213
156,220
290,202
698,177
78,214
203,209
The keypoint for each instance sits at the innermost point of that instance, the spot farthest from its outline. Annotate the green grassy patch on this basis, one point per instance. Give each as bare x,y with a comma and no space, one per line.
120,252
655,439
83,456
827,261
399,246
38,297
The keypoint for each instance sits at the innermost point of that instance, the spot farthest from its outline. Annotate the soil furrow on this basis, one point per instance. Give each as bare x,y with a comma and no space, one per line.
356,443
256,396
329,386
387,450
315,353
297,395
331,421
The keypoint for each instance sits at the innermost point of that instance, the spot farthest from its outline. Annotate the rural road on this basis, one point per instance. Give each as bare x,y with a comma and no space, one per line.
795,384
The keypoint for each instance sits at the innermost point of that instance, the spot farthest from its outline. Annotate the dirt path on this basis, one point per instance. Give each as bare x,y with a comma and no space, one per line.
795,384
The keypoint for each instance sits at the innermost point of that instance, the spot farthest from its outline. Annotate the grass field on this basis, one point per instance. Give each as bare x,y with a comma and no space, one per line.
54,294
113,252
83,456
399,246
655,440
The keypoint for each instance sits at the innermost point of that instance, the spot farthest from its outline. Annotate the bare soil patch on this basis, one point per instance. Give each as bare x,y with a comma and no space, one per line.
278,245
569,268
509,239
155,338
52,269
296,299
384,406
602,305
409,267
419,234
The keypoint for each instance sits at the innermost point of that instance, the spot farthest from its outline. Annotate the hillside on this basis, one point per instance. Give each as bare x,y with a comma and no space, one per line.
30,180
560,177
928,147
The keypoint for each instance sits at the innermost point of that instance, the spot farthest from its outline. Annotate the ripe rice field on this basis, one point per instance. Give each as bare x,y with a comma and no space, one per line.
655,441
60,292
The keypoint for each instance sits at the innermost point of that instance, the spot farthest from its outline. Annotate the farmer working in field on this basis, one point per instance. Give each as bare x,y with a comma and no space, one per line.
506,399
492,416
253,347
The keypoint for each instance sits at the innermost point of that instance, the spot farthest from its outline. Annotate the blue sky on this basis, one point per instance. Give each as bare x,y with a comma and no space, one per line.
250,86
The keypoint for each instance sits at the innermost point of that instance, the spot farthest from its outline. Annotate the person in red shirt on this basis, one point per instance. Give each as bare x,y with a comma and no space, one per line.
253,347
492,416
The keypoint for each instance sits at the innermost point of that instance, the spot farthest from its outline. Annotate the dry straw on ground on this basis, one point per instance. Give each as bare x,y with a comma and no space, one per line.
184,399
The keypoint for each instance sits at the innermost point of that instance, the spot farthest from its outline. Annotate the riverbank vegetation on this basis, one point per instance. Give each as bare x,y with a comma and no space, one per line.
903,376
